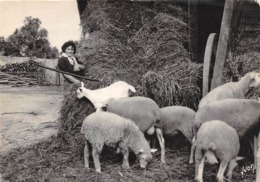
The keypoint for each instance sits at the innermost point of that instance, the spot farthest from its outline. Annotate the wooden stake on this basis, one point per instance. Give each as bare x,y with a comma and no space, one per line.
258,160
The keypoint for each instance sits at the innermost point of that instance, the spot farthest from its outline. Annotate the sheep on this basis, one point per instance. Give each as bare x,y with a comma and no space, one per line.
104,128
176,119
144,112
100,97
241,114
216,139
232,89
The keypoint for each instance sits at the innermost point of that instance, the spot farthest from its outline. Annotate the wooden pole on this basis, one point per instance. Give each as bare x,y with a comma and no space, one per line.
66,73
208,62
255,150
258,160
223,43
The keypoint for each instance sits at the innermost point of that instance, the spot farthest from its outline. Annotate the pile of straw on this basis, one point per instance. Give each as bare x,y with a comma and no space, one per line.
127,45
140,43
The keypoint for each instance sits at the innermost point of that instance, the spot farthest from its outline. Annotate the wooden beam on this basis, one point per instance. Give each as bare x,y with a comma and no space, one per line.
223,43
258,160
82,4
208,62
193,31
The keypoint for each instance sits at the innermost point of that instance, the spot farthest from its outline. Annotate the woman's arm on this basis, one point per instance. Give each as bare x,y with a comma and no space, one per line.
80,65
64,65
72,79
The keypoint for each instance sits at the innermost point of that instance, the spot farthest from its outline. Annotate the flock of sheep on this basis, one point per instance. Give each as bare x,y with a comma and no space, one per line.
223,117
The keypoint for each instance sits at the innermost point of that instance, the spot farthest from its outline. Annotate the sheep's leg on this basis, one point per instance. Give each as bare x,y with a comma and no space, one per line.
86,155
125,153
95,154
193,145
192,150
199,165
222,168
231,166
151,139
162,143
254,148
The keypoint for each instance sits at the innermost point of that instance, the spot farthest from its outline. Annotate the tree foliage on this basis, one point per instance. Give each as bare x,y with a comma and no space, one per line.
29,40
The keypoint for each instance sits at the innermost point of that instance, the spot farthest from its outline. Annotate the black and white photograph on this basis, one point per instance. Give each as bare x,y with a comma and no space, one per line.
130,90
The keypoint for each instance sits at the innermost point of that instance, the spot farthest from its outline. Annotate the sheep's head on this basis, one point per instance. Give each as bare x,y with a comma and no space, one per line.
131,93
80,91
254,80
144,157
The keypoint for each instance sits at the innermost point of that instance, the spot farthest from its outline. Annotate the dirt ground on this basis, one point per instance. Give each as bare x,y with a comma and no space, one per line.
27,115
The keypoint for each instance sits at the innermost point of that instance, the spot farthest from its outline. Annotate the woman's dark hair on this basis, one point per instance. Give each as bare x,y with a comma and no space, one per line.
67,44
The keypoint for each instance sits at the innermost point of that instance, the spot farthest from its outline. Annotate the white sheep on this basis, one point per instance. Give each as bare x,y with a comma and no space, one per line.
104,128
176,119
241,114
144,112
100,97
232,89
216,139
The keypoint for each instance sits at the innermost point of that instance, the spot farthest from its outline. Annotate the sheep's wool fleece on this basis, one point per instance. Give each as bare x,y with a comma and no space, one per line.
177,118
242,114
142,110
223,136
107,128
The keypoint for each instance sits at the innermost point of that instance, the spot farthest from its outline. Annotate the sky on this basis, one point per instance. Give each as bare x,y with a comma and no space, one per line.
59,17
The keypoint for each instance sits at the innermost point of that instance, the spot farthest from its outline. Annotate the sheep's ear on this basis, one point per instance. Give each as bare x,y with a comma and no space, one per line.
252,76
251,82
153,151
82,84
140,151
239,158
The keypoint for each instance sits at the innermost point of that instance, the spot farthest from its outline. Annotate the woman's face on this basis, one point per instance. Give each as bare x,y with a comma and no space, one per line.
69,51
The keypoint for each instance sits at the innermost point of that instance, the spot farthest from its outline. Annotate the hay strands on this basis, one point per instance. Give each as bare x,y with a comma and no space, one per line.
63,72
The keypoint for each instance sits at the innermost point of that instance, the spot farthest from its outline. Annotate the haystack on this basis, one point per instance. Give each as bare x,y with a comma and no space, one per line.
128,41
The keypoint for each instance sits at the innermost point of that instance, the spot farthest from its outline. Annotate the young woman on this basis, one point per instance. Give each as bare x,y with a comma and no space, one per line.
69,63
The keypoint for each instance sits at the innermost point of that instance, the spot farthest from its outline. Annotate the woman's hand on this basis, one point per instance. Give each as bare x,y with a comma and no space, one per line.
82,67
76,67
72,79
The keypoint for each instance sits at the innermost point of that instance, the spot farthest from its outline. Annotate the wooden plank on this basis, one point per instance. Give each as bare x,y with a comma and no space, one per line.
223,43
208,62
258,159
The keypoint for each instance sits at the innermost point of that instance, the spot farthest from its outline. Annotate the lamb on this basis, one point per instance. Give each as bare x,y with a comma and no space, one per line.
216,139
241,114
100,97
144,112
104,128
232,89
176,119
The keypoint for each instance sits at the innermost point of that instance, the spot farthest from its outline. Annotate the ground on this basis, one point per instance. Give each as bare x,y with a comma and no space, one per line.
27,115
